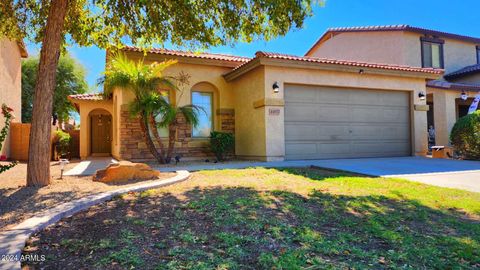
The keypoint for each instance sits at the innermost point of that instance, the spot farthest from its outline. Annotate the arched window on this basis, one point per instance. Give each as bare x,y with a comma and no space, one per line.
205,123
203,95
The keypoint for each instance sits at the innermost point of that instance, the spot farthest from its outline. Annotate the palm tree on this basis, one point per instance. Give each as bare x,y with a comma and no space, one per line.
145,81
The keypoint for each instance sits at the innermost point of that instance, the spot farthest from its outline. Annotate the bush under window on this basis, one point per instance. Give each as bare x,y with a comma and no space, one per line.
222,144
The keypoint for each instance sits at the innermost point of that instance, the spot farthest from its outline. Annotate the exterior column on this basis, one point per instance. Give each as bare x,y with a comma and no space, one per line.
84,134
420,129
274,121
444,114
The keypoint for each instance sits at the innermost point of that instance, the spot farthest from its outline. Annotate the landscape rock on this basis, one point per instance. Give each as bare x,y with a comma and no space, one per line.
125,171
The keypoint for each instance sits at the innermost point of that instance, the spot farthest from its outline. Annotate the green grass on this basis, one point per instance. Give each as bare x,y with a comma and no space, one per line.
283,219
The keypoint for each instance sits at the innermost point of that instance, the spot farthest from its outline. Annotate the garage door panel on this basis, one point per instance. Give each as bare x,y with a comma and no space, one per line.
367,114
301,132
366,132
301,148
328,113
397,115
365,97
400,132
345,123
332,96
334,148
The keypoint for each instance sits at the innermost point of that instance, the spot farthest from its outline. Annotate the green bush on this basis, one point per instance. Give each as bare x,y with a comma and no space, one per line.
465,136
222,144
62,143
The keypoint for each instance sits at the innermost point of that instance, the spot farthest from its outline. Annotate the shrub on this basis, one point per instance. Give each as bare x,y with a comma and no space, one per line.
7,114
62,143
222,144
465,136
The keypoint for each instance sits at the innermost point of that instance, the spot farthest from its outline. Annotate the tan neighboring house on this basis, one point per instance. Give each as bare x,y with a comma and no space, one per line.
278,106
458,55
11,54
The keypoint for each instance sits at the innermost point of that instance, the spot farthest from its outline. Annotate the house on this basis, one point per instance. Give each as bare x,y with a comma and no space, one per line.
458,55
278,106
11,54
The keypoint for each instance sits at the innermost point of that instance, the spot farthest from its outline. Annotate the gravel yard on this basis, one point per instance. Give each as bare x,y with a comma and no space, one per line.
18,202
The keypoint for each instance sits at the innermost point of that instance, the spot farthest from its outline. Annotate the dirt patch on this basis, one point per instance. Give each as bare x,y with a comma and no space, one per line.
19,202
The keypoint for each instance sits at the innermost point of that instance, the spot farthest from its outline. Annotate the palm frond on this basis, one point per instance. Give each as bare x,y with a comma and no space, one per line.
192,113
168,115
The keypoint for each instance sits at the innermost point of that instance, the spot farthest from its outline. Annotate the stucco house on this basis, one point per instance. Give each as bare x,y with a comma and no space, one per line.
11,54
279,107
458,55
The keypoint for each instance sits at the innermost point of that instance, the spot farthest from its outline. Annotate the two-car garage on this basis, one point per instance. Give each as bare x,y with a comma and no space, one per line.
330,122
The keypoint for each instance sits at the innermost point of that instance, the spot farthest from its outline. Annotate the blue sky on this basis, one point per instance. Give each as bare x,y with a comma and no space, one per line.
461,17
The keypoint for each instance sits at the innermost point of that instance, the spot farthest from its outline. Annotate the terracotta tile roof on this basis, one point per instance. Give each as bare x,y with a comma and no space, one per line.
399,27
90,96
261,54
454,86
211,56
464,71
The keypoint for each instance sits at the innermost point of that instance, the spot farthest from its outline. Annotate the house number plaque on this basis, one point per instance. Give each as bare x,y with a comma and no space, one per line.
273,111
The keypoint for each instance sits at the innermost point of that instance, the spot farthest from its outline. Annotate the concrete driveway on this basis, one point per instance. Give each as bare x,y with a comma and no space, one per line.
461,174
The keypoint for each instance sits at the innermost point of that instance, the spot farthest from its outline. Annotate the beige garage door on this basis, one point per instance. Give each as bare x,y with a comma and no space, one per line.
325,122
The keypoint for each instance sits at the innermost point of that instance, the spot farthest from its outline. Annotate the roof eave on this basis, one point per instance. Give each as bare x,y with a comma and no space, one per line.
326,66
189,59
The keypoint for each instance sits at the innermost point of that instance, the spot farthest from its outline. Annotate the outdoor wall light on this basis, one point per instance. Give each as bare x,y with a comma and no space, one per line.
463,95
421,95
276,87
361,71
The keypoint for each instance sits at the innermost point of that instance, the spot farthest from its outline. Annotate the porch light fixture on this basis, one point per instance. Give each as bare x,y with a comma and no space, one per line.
361,71
276,87
421,95
463,95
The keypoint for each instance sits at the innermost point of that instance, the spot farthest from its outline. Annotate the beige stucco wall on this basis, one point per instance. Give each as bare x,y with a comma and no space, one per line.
394,47
86,108
10,83
375,47
250,140
275,128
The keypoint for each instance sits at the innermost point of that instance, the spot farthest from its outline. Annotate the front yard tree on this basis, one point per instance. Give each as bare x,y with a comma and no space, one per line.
70,80
105,23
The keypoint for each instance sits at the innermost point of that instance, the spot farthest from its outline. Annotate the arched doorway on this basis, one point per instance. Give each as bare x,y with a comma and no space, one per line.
100,133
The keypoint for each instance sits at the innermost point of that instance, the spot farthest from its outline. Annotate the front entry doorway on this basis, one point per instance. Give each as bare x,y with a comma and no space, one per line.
101,134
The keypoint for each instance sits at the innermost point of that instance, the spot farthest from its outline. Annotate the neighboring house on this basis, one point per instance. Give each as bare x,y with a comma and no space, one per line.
11,54
279,107
458,55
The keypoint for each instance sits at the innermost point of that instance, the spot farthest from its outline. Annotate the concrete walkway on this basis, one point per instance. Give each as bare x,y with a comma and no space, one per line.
12,241
90,166
460,174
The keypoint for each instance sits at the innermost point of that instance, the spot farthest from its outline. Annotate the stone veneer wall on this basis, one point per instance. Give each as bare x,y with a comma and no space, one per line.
133,146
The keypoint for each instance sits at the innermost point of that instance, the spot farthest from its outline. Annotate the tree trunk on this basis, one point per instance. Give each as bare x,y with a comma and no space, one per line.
172,130
38,170
157,138
148,139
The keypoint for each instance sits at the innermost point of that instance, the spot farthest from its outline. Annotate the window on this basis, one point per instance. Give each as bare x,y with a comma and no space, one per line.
432,53
163,131
205,123
478,54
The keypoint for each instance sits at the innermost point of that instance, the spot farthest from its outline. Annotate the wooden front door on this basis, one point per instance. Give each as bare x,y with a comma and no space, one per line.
101,136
